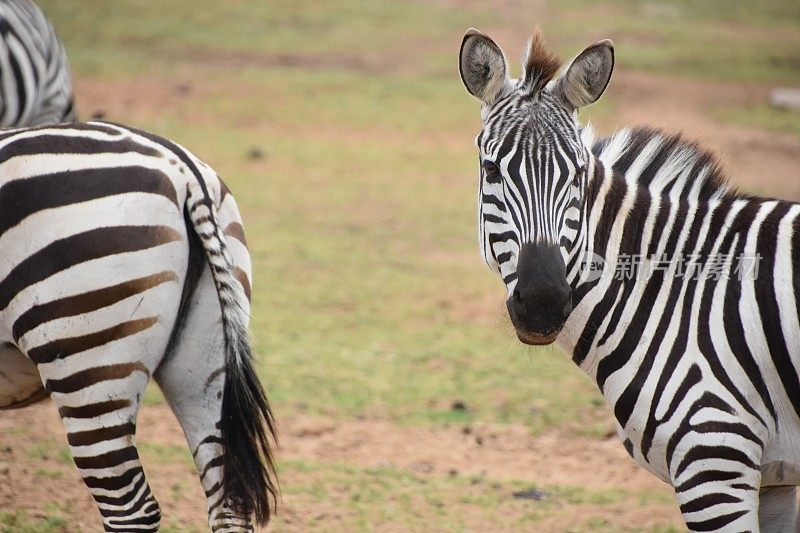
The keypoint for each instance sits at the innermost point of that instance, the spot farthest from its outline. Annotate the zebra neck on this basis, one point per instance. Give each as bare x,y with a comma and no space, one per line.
612,227
628,228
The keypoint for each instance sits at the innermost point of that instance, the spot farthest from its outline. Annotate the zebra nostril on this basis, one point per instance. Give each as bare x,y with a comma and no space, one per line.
518,302
516,298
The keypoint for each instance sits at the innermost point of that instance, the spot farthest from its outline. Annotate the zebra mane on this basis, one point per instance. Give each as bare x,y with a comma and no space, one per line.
662,162
539,65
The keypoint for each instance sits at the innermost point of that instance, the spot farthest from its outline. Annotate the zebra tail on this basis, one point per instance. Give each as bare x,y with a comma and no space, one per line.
247,424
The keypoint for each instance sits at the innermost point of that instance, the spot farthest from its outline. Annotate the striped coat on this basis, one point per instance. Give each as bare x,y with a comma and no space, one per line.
35,80
676,294
125,259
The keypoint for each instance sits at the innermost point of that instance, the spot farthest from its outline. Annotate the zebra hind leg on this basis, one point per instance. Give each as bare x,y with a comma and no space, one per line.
98,407
192,377
777,510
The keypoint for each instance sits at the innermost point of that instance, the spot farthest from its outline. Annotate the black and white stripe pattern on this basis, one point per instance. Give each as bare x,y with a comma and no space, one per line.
35,80
702,371
125,259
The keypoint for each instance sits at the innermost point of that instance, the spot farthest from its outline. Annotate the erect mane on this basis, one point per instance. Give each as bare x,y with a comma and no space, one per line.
665,162
539,65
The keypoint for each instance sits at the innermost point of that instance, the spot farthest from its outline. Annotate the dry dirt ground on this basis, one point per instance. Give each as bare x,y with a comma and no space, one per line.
31,478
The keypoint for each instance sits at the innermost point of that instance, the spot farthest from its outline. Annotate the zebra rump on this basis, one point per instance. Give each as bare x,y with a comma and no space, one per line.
127,260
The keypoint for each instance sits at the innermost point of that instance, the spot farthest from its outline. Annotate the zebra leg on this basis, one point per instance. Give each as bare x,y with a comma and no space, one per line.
98,408
192,377
96,364
777,510
717,486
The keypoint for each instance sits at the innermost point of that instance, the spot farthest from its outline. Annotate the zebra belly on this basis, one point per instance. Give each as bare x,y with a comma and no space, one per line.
780,464
779,473
20,384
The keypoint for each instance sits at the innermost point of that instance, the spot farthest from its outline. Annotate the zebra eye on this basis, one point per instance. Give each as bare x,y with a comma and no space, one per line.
491,169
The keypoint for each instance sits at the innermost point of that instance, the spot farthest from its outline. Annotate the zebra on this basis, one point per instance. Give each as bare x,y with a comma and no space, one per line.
35,79
125,258
697,351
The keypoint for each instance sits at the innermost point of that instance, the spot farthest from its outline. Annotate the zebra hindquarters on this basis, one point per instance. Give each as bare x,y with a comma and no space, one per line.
97,326
192,376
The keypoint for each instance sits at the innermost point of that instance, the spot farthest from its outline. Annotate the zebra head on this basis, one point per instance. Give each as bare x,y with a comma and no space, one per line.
533,172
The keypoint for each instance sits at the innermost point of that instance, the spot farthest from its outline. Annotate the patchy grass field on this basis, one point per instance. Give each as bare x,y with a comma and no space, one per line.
345,133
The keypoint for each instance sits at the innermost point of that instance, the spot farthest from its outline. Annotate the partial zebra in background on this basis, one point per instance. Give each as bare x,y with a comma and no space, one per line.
679,296
124,257
35,80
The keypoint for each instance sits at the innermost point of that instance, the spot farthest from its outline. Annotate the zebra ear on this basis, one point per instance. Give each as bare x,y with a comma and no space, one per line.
587,76
483,67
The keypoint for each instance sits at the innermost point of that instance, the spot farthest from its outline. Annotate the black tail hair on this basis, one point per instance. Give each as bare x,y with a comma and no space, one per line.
247,425
249,481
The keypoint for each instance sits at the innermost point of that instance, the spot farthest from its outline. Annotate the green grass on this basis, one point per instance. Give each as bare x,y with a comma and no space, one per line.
45,473
21,522
370,297
746,40
139,33
742,40
364,288
366,499
763,116
179,528
167,454
49,449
